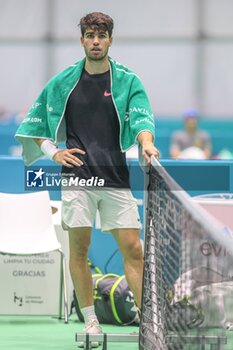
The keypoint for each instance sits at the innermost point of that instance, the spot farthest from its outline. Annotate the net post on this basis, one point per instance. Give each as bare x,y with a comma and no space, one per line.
87,341
105,342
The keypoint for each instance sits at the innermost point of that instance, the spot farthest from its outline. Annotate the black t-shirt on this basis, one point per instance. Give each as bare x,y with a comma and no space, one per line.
92,125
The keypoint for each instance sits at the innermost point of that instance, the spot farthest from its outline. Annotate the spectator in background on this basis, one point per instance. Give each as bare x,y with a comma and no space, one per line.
192,142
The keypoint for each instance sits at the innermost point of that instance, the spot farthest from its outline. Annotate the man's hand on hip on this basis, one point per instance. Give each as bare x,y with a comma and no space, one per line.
66,157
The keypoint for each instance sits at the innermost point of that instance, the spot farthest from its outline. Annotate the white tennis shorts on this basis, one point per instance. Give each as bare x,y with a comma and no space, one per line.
117,208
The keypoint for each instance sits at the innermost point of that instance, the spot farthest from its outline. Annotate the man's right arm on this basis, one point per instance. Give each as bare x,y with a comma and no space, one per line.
65,157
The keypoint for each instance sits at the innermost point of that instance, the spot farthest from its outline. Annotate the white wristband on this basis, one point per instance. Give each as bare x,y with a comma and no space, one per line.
49,148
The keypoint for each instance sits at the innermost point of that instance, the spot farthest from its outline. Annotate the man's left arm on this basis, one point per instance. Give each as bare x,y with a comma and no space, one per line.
145,138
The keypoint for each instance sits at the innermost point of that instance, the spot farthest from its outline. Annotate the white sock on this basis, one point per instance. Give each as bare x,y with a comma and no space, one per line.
89,314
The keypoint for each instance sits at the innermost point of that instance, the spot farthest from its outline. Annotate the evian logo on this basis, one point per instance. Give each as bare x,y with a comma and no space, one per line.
107,93
212,248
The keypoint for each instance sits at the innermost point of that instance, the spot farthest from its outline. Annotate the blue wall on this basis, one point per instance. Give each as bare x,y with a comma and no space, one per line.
197,177
220,130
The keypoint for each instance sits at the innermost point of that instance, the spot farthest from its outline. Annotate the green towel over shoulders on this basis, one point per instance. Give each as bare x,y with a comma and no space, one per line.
46,119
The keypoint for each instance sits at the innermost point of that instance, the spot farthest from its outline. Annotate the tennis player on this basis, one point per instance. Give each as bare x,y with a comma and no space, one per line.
100,109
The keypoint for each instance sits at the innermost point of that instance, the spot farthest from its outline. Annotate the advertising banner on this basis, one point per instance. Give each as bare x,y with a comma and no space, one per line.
30,284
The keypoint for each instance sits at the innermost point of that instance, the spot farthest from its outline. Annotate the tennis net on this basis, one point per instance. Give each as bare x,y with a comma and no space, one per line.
188,264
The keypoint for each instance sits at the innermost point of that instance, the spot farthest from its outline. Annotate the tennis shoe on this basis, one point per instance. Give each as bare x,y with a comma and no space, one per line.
93,327
229,326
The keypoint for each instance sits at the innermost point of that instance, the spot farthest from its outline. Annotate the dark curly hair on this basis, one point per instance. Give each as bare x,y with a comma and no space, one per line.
96,21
